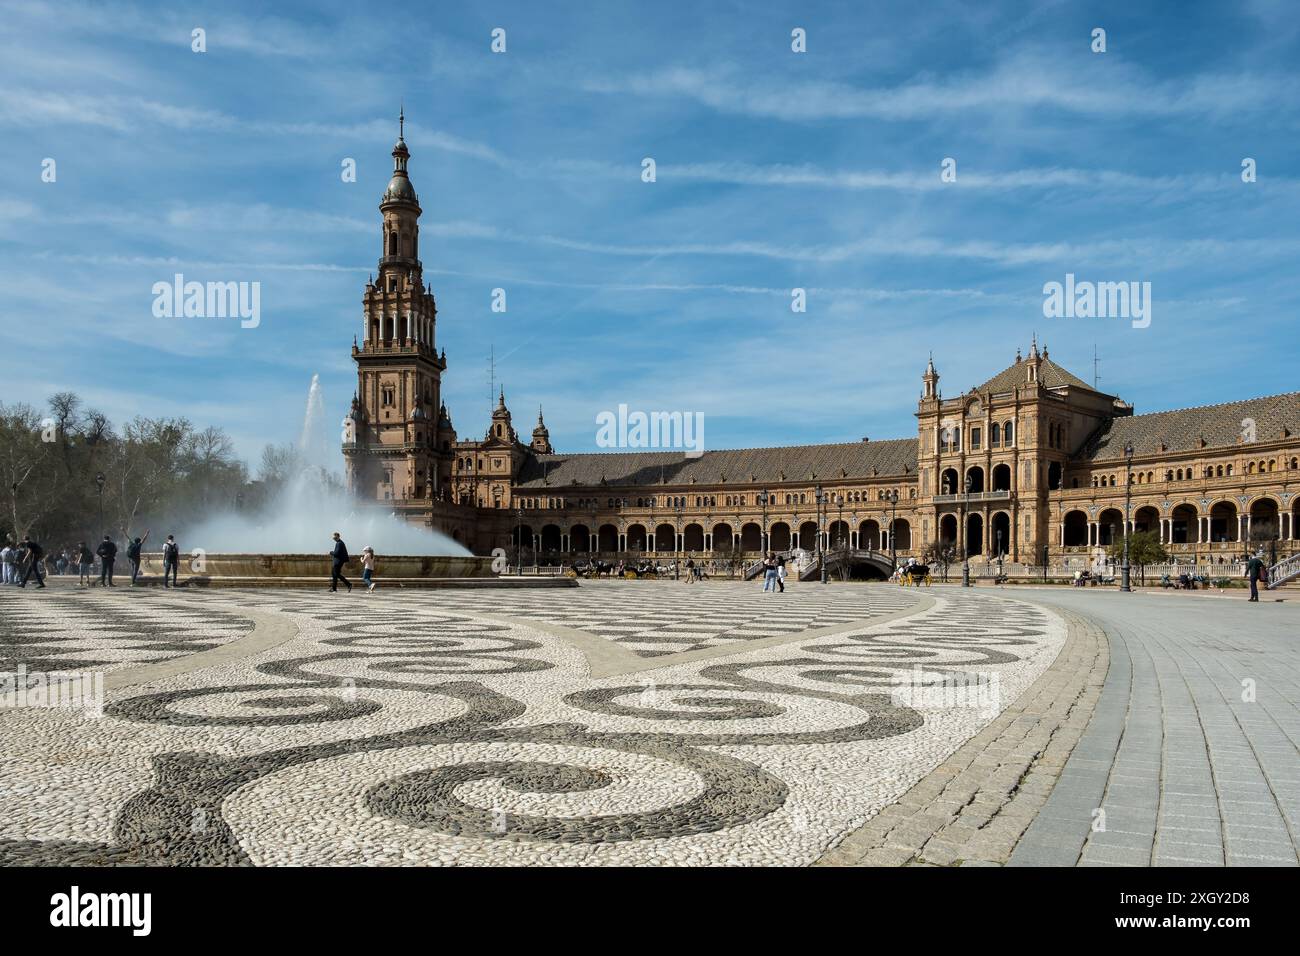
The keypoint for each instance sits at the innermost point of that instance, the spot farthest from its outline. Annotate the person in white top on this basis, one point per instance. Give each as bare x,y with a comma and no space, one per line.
368,568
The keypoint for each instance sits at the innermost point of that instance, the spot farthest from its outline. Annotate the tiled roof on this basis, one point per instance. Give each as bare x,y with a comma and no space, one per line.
1050,375
1181,429
797,462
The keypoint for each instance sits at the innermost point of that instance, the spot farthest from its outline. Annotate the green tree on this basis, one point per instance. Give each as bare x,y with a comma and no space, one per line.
1144,548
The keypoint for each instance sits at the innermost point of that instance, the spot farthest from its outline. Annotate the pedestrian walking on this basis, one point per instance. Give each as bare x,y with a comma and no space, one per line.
368,567
107,552
34,555
1255,571
769,572
340,557
780,573
8,560
171,560
85,565
690,570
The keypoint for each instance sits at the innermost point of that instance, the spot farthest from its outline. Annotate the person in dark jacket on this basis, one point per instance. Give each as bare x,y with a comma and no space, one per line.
85,562
134,553
107,552
34,555
171,560
340,556
1254,571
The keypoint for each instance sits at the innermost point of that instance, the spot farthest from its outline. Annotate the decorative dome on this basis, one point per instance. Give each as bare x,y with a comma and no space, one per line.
399,187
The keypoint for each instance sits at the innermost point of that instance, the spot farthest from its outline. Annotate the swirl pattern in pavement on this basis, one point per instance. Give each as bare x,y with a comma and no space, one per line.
423,728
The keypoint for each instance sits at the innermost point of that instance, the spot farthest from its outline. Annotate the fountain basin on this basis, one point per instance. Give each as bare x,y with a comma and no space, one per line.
313,571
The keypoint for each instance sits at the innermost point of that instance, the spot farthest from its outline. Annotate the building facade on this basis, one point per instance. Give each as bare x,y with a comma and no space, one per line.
1032,464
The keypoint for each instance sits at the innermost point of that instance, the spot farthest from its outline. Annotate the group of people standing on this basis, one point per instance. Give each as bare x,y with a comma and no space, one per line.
21,562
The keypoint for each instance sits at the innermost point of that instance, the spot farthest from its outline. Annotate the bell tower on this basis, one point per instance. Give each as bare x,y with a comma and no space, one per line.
395,425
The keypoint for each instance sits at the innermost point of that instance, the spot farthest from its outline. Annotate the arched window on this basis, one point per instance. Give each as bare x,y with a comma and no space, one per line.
995,435
1008,434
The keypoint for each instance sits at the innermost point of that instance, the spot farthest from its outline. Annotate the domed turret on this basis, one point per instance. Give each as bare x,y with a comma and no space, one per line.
541,436
399,188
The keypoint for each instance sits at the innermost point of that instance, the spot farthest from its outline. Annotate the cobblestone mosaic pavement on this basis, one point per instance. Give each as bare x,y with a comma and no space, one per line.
72,629
457,728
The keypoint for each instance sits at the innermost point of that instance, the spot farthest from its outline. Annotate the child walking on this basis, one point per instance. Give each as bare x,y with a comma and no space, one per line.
368,568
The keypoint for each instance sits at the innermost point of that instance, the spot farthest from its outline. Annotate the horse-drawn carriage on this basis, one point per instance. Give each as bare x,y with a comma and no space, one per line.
644,569
591,569
914,575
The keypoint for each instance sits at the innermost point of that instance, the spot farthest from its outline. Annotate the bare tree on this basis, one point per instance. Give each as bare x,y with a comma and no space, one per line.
144,465
28,468
65,408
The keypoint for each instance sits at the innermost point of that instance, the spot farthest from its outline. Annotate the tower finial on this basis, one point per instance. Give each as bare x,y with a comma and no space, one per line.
401,120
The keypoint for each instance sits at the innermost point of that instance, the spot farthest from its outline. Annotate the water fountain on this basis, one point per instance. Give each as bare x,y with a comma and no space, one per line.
285,543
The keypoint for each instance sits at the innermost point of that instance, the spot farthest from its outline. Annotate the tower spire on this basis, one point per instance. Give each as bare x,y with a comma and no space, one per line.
401,120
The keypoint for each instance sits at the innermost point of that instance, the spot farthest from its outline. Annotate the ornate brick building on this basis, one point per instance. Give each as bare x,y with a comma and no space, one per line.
1033,461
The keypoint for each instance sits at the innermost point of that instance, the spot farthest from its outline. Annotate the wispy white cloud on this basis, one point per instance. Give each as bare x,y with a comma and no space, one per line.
1028,80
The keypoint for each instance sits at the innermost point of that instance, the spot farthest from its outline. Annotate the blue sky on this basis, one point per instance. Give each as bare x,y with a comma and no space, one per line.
776,170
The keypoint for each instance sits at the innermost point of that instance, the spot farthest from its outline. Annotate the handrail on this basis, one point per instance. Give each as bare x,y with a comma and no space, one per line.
1284,571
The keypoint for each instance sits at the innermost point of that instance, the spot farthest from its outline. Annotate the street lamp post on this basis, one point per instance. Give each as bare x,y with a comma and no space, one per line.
677,537
999,552
965,538
763,498
99,481
519,540
893,520
1128,493
822,501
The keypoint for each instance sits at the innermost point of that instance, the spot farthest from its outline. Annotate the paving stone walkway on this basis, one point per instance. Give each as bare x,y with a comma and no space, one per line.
1191,757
